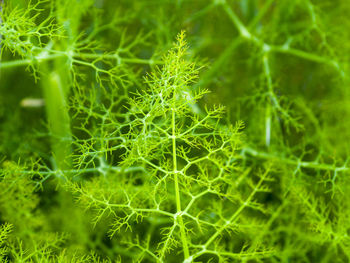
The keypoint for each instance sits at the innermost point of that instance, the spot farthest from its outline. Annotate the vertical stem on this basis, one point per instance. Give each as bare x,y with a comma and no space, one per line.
268,125
177,189
58,117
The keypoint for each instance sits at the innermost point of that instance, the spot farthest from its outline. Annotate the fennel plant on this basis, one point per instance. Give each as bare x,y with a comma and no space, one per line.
123,140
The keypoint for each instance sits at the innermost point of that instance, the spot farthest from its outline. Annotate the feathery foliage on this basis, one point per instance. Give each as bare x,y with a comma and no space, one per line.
120,145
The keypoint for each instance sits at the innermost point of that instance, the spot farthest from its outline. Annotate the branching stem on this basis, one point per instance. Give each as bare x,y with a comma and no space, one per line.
62,54
176,182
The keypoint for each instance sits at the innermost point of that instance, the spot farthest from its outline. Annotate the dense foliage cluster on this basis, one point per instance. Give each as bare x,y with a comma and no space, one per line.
123,139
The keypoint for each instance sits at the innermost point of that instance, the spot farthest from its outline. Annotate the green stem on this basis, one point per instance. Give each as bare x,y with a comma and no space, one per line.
58,119
63,54
177,189
26,62
290,160
243,31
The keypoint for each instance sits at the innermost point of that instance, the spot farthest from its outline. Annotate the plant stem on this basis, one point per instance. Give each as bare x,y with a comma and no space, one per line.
176,182
62,54
58,118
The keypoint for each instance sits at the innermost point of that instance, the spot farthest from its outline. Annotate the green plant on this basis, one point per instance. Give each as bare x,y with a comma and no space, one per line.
112,115
188,166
